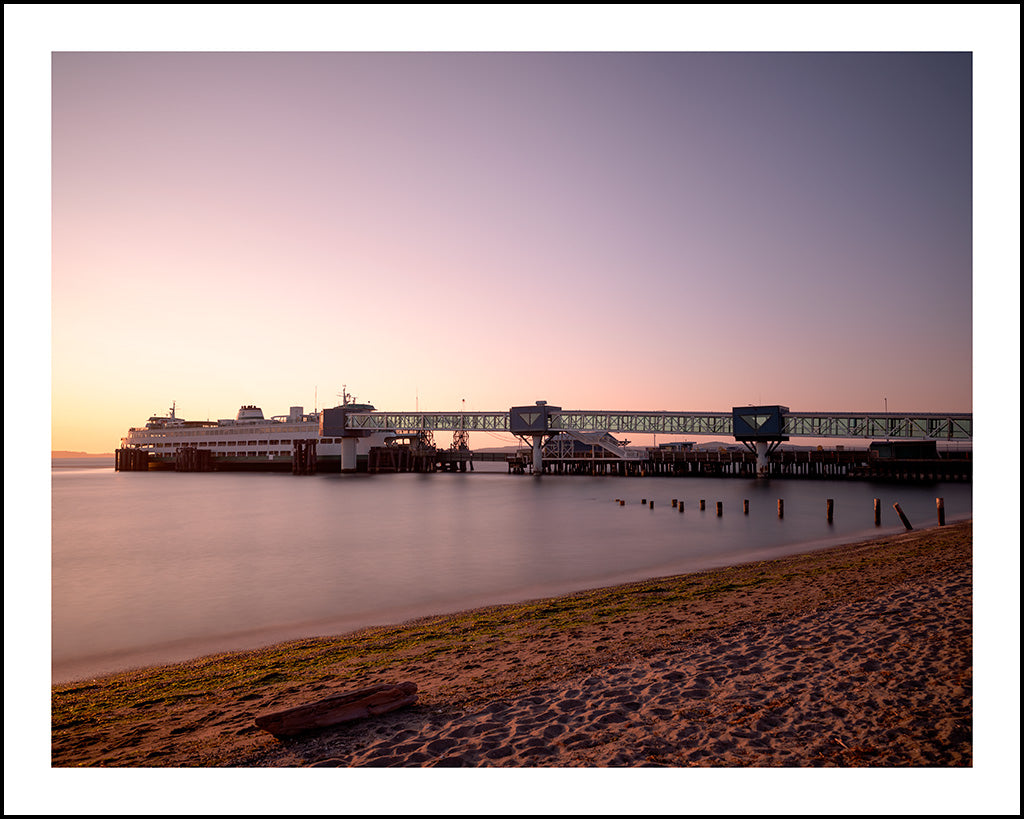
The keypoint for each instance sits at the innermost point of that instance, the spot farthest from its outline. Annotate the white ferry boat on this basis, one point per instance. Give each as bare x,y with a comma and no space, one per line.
247,441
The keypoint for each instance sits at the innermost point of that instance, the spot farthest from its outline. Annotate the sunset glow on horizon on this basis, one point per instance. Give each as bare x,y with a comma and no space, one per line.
642,231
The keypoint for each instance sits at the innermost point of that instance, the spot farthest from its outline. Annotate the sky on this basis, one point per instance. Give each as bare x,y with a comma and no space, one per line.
683,208
601,230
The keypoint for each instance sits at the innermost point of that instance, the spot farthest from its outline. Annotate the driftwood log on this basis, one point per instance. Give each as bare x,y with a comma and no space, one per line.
366,702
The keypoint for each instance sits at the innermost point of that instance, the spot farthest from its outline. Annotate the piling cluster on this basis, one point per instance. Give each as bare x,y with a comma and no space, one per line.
678,503
193,459
131,459
304,457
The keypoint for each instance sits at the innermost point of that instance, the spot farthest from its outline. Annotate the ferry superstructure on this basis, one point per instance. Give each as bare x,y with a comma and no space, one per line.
247,441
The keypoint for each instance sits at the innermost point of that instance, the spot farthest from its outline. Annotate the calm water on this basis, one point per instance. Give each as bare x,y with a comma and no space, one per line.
155,567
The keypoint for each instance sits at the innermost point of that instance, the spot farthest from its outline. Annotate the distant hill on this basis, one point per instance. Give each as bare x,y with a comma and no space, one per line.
63,453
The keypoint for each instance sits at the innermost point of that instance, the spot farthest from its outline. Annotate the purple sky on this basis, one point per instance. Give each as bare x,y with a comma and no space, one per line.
601,230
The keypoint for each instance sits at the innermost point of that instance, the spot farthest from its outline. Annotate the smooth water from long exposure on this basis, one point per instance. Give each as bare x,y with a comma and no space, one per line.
159,567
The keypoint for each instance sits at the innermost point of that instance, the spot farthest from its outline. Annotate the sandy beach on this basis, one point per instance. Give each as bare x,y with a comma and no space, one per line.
854,656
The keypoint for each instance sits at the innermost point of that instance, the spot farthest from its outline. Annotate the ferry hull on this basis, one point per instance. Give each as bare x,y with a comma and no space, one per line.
325,464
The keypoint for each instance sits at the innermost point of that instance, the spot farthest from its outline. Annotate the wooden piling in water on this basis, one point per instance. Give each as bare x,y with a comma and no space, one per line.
746,507
718,509
878,512
702,505
828,509
940,509
903,517
781,507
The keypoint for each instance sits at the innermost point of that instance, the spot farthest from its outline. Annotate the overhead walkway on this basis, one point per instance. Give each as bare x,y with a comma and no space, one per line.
760,428
922,425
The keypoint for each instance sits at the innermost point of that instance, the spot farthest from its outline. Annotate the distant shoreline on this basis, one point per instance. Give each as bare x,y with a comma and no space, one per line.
61,453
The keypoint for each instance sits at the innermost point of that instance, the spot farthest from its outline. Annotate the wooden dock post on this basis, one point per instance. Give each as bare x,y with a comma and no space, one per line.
940,508
702,505
781,507
828,509
680,506
903,517
746,507
878,512
718,508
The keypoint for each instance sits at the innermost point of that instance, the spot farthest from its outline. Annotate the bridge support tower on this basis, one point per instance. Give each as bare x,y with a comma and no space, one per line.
533,422
332,425
349,458
760,430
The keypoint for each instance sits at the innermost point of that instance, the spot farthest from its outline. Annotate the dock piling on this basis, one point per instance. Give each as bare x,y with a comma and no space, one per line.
903,517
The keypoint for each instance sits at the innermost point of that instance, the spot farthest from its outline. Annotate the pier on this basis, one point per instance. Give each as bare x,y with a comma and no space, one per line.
581,442
822,464
413,457
577,442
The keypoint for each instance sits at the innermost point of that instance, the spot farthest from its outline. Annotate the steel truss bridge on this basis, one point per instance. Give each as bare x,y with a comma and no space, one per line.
921,426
